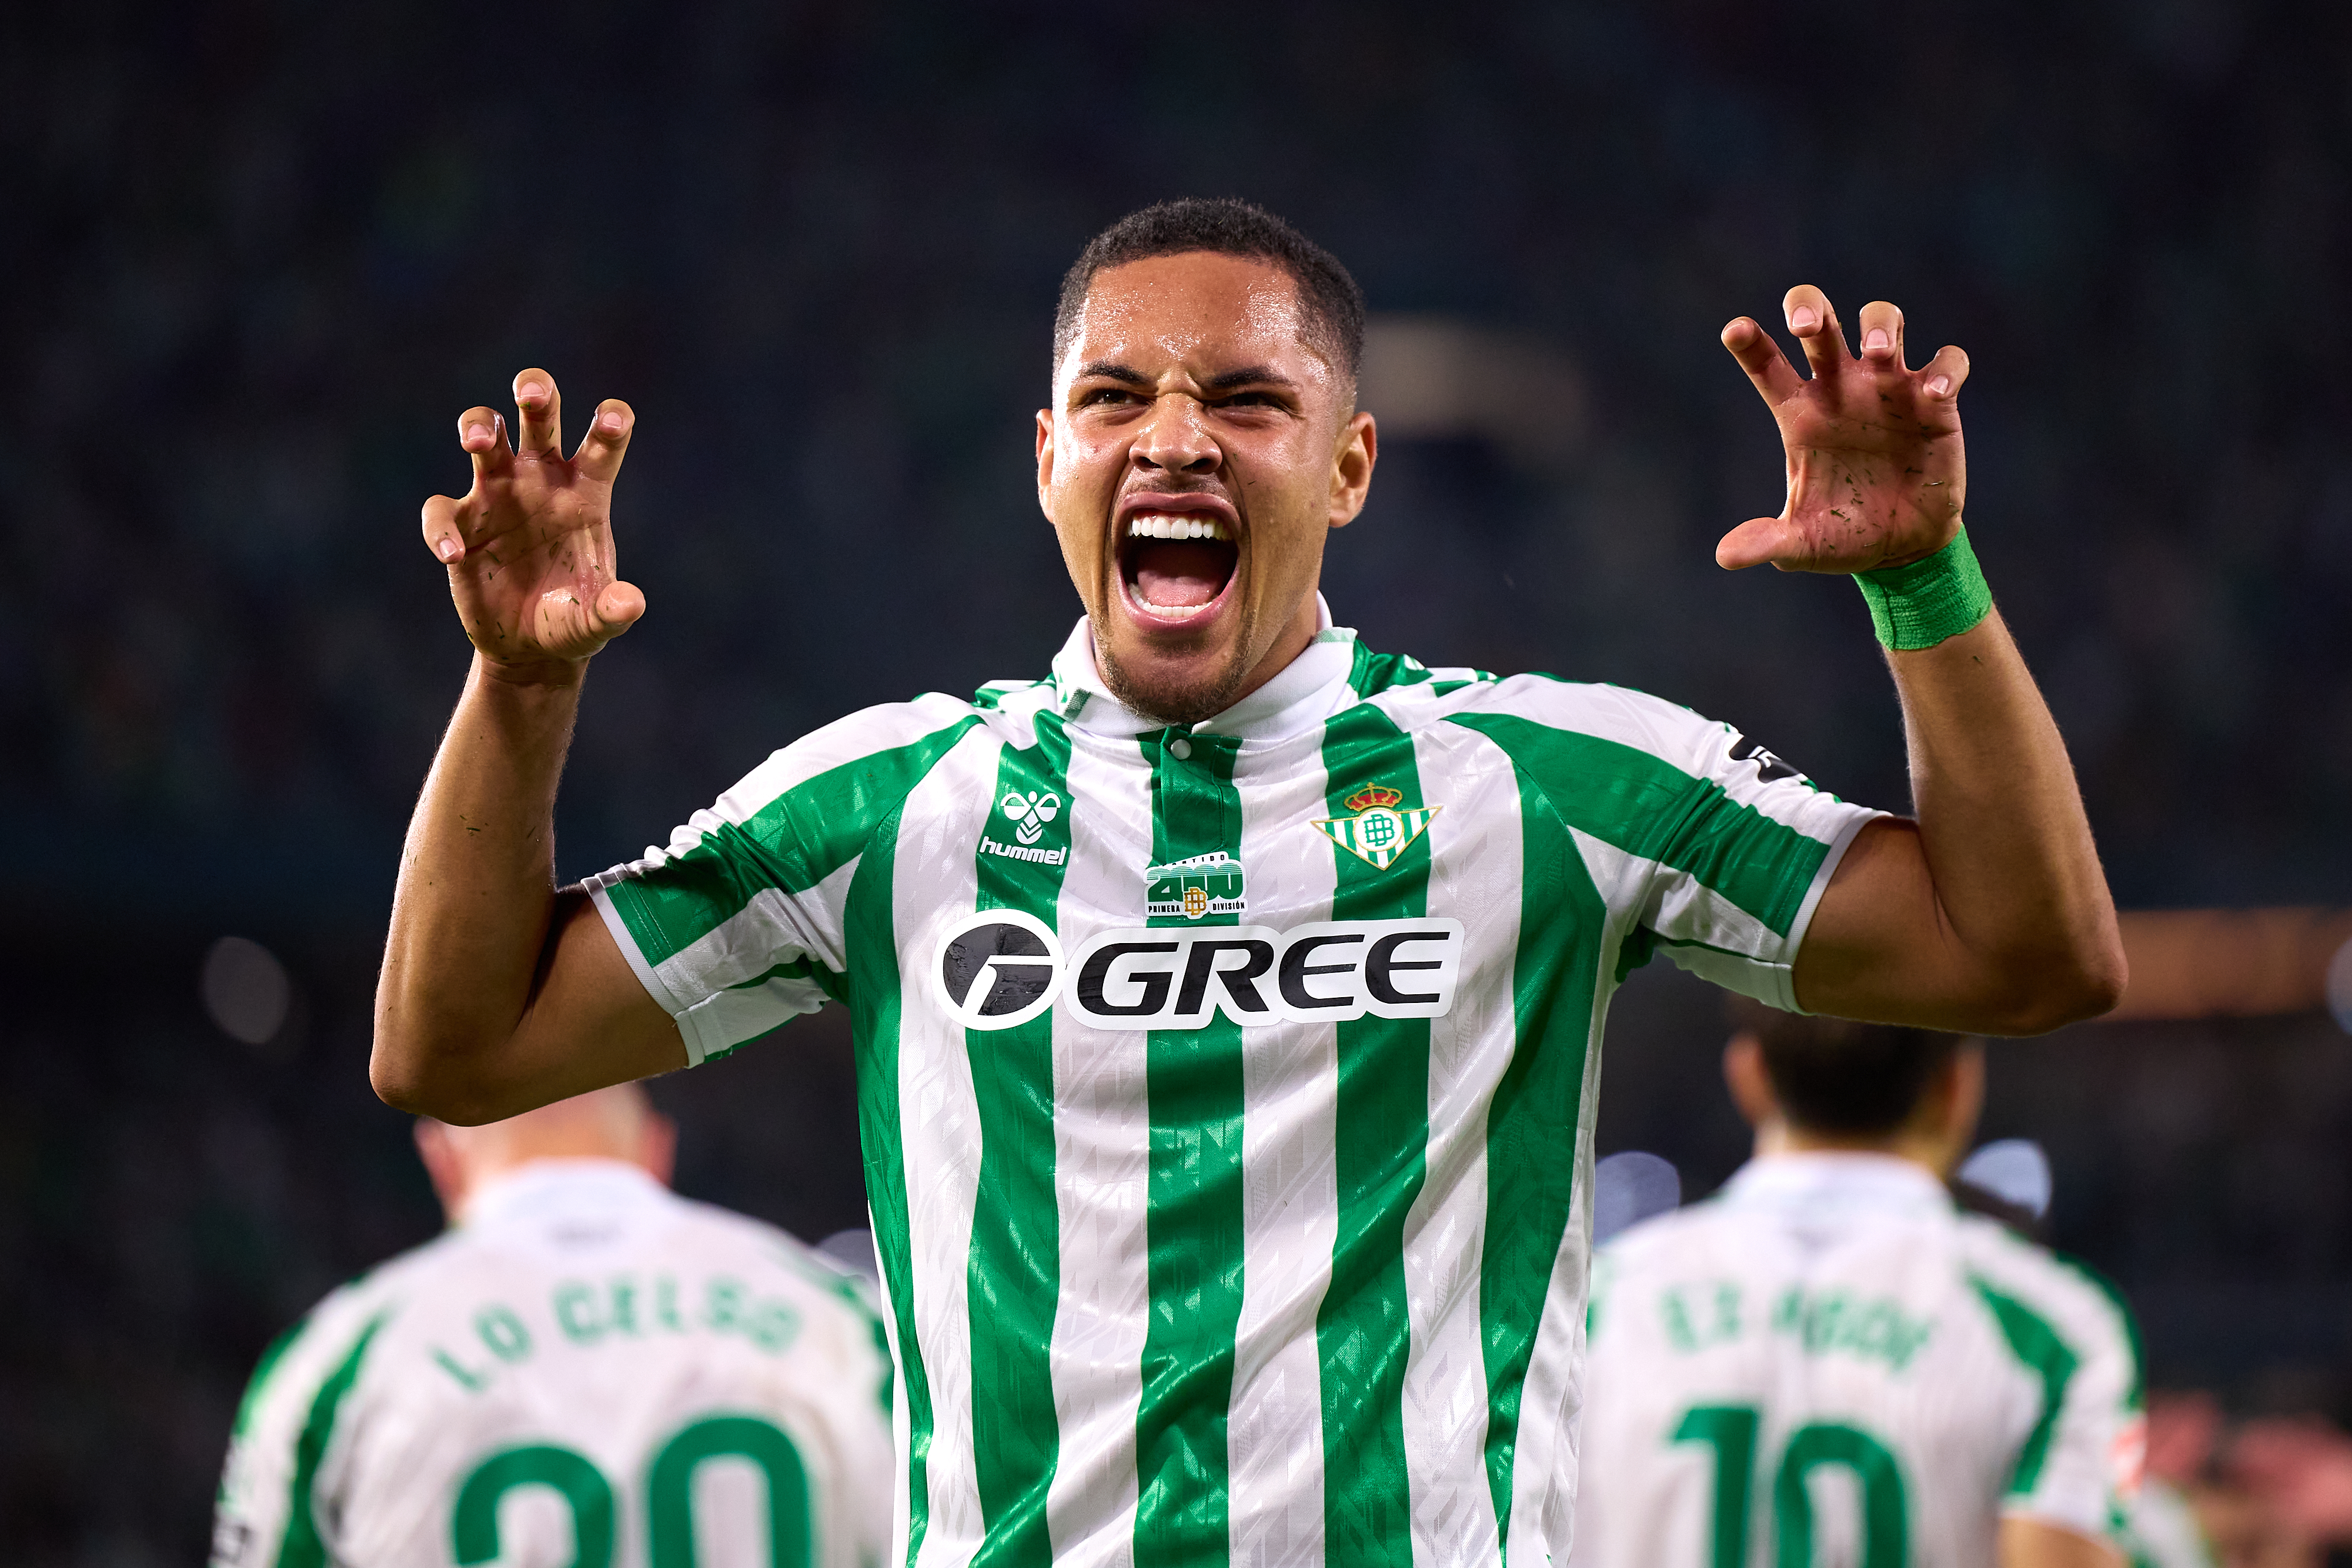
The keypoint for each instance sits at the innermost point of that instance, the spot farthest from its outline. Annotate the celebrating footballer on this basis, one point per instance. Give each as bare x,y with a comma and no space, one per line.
1229,1000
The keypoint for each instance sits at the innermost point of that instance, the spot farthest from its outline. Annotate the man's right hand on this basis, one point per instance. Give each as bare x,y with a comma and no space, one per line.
529,548
498,991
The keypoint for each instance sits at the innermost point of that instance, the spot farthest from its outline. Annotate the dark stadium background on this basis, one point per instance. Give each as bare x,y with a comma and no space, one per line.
258,257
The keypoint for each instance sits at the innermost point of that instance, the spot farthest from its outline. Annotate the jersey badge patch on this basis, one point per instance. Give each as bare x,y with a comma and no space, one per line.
1196,888
1382,828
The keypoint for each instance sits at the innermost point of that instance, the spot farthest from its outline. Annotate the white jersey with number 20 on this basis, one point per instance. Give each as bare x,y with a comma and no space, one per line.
590,1371
1829,1364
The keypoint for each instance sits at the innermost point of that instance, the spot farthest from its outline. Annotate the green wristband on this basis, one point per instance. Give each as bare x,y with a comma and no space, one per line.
1935,596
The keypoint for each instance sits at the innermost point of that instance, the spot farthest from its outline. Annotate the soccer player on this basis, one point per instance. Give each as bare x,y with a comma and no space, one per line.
586,1369
1228,1001
1830,1361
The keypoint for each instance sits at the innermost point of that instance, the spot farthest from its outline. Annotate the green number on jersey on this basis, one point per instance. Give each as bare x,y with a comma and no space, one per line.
1730,1431
473,1523
669,1495
1885,1512
669,1489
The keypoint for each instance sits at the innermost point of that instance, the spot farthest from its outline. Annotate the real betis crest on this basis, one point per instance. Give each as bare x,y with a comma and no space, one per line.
1195,888
1383,826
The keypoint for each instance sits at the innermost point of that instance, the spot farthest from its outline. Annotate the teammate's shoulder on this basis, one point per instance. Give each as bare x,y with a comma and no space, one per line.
2050,1283
811,1273
1666,1240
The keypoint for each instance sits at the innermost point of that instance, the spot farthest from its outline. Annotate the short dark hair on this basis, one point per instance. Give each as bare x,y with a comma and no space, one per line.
1226,226
1840,1077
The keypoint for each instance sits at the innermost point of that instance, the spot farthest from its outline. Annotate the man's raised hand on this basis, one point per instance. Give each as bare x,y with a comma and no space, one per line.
1877,474
529,547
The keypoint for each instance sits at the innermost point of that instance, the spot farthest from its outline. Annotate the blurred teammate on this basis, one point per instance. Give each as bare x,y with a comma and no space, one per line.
1830,1363
586,1369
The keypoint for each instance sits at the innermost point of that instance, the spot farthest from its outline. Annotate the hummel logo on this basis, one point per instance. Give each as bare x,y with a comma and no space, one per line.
1030,812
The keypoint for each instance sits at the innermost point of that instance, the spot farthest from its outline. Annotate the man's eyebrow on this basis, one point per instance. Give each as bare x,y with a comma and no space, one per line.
1249,375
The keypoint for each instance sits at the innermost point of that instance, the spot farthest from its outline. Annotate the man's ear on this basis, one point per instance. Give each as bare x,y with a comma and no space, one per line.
1044,459
656,1152
1352,459
1750,1085
444,1166
1964,1078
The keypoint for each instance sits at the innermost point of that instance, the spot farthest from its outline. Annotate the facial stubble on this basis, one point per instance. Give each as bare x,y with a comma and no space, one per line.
1180,705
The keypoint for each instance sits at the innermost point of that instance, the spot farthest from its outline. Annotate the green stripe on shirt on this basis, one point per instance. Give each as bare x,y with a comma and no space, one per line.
1649,807
2034,1342
792,842
1192,1081
1381,1137
1534,1123
870,935
1014,1277
301,1547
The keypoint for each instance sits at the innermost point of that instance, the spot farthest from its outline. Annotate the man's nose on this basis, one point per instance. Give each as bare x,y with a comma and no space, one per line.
1175,439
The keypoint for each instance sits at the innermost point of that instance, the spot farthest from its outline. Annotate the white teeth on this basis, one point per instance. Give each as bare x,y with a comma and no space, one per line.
1160,526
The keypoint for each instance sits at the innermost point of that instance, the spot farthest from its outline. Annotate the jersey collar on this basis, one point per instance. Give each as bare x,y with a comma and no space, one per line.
1306,692
1821,1179
544,1189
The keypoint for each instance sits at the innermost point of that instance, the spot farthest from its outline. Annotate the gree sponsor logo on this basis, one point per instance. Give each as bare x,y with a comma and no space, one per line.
1327,972
1195,888
999,969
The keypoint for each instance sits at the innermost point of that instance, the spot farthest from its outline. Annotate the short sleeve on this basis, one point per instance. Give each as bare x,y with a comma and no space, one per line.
737,925
2080,1463
268,1509
1717,850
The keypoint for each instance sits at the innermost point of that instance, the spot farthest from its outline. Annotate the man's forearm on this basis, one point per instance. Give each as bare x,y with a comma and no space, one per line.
475,896
2007,844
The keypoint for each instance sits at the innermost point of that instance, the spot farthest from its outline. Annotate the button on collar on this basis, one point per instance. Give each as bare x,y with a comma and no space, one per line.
1180,749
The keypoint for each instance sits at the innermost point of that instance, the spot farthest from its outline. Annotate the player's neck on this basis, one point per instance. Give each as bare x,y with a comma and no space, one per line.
1777,1138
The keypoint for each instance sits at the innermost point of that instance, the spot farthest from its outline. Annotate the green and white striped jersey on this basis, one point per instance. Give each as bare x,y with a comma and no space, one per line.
1227,1090
1829,1363
591,1371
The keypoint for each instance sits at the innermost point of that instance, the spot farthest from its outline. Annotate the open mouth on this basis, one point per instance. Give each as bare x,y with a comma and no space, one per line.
1176,565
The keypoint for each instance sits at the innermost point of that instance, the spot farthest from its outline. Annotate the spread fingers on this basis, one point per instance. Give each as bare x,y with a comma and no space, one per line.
1761,358
541,408
444,534
482,432
1815,325
1940,378
607,441
1882,336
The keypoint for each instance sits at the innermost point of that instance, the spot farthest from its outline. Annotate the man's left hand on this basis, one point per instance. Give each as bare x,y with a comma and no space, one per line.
1877,474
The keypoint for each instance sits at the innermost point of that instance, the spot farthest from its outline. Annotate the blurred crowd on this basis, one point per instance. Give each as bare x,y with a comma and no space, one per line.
260,254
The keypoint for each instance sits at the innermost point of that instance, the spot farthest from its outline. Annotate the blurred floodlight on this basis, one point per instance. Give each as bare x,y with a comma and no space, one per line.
2014,1170
1630,1187
245,990
1439,378
853,1250
2339,987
